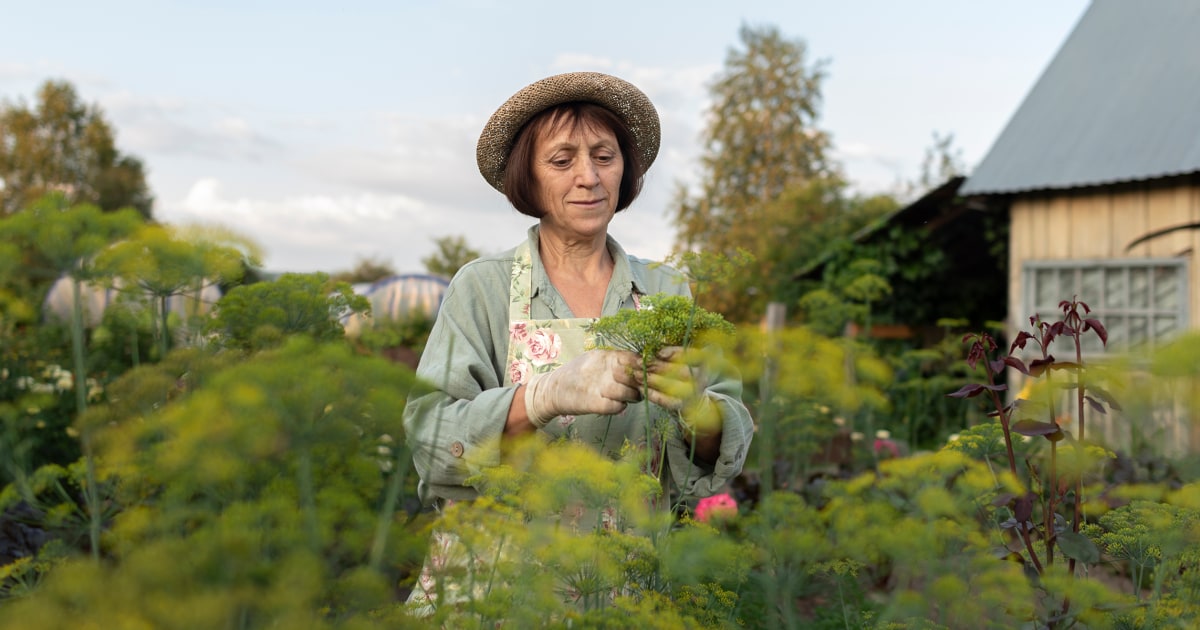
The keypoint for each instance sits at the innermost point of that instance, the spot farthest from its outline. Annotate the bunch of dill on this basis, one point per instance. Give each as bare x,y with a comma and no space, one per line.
663,320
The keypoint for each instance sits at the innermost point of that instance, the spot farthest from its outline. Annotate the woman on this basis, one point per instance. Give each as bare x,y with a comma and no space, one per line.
507,352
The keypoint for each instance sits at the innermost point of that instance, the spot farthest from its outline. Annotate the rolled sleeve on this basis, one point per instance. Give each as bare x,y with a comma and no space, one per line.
454,430
696,479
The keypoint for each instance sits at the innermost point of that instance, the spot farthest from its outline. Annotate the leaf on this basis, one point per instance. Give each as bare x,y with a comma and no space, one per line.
1017,364
971,390
1101,332
1079,547
1034,428
1065,365
1037,366
1022,338
1095,405
1103,394
1023,508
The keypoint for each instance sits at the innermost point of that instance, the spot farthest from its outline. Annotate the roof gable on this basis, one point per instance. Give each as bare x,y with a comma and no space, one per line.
1119,102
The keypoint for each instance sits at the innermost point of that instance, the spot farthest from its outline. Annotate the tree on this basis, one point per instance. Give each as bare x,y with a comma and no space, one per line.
264,314
942,162
365,270
767,181
65,145
452,253
161,262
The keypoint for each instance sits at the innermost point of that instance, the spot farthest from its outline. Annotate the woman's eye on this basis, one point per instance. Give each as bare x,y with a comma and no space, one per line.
561,162
604,158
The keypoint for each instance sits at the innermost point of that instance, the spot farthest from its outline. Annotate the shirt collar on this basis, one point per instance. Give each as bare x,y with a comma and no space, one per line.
625,280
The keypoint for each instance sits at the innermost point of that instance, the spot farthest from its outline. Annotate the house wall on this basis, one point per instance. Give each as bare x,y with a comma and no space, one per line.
1100,223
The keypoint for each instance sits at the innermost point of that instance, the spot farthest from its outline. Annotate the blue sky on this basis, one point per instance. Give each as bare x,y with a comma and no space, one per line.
331,132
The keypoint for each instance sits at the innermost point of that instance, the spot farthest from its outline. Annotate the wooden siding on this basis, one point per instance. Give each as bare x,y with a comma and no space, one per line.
1100,224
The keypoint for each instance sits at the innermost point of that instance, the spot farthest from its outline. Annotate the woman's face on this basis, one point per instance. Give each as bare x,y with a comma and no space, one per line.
577,169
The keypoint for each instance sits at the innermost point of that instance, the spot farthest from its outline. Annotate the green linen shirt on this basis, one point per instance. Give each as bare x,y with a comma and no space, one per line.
454,430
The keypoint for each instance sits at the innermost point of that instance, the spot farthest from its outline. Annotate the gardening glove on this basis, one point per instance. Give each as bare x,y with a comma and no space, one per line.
597,381
672,383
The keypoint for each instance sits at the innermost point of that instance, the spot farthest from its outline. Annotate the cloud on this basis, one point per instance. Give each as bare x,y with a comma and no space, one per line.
172,127
318,232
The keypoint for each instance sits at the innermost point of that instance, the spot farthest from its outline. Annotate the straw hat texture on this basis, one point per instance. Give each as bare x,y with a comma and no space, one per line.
619,96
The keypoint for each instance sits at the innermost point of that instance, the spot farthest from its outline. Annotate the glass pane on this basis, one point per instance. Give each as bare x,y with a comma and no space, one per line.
1139,287
1091,344
1166,288
1114,288
1044,291
1139,330
1117,335
1165,326
1066,285
1091,286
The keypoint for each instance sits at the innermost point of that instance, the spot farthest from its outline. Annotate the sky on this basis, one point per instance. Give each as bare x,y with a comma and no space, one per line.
333,133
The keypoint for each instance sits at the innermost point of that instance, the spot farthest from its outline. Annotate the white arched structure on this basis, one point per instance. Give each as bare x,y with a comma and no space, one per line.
96,298
398,297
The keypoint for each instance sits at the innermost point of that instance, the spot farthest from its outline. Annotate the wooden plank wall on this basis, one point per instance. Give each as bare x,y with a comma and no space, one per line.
1100,223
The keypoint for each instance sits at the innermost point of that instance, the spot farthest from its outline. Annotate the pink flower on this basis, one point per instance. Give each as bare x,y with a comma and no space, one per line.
886,447
719,506
518,371
543,346
519,331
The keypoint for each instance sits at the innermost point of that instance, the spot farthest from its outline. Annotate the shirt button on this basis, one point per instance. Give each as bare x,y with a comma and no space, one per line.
456,449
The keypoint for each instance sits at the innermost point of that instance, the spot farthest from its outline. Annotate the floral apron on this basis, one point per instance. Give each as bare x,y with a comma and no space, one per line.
534,346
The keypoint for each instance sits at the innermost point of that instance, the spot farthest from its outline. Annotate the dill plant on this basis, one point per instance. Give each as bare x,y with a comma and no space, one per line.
664,320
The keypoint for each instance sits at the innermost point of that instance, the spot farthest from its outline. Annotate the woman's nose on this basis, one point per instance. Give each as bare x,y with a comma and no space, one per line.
588,174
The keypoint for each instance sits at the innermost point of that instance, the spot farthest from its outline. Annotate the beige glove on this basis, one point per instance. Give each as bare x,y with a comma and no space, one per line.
680,387
597,381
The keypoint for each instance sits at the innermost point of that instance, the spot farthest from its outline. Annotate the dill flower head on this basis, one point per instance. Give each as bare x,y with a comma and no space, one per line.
664,320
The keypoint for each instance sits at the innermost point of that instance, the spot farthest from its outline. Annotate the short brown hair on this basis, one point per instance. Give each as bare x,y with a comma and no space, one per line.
519,184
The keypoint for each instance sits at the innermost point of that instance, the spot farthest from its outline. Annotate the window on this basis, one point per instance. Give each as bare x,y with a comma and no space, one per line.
1139,301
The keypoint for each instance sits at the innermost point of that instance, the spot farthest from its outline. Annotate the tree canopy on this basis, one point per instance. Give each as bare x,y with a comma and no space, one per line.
768,185
62,144
452,253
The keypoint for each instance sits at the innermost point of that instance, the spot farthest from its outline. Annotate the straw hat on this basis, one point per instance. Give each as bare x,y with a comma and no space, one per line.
621,97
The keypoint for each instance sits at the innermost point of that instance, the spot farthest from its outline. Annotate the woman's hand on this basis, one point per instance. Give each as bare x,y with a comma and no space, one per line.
673,383
597,381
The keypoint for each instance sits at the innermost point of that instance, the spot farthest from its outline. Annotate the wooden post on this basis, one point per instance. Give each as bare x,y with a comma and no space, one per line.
776,314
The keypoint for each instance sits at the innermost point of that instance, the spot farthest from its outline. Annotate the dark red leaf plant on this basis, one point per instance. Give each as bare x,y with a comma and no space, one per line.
1020,416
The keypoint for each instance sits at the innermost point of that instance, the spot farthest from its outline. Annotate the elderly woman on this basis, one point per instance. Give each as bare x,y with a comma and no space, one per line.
507,352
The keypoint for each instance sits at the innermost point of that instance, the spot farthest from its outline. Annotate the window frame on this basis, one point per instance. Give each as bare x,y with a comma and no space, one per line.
1029,278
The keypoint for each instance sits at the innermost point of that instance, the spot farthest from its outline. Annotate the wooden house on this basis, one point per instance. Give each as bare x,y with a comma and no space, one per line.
1099,172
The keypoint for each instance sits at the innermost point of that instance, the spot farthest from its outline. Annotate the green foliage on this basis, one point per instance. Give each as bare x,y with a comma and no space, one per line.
261,315
768,185
64,144
162,262
1158,544
62,239
266,476
663,320
452,253
382,336
365,270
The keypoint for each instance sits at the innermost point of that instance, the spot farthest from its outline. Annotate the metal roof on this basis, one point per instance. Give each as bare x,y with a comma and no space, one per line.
1119,102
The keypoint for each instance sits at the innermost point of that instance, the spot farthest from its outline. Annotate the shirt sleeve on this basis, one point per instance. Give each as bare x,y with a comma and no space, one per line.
696,479
692,479
454,429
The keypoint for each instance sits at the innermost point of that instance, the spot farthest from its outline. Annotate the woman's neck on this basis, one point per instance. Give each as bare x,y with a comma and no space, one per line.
579,270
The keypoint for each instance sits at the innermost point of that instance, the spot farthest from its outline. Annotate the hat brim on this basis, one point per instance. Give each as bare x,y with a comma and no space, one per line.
625,100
